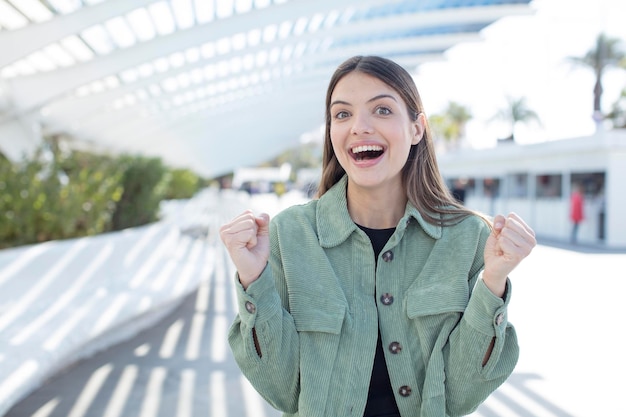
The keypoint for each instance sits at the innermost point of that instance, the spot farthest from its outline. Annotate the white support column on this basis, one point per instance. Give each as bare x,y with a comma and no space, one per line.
615,199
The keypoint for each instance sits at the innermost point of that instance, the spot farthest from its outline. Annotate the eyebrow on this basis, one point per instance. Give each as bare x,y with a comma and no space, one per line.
378,97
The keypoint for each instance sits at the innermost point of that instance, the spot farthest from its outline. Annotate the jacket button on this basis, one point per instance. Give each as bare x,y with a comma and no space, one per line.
386,299
395,347
388,256
499,319
251,308
405,390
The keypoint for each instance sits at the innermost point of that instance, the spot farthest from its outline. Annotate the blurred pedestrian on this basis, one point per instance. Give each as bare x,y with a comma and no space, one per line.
383,296
576,213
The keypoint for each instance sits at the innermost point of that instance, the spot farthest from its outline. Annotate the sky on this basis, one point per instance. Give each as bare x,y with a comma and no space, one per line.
526,56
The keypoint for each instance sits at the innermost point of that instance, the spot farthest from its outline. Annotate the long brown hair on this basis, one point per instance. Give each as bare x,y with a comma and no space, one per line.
425,187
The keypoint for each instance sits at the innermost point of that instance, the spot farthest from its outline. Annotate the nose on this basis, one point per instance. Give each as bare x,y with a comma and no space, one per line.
361,124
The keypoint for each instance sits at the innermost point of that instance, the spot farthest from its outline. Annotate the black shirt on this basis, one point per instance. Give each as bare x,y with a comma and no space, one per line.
380,399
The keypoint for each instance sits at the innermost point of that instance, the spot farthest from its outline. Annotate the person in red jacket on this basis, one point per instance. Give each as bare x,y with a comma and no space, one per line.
576,210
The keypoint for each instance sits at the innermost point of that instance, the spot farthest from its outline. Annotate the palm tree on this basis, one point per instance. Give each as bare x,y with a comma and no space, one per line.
516,111
617,115
605,53
451,123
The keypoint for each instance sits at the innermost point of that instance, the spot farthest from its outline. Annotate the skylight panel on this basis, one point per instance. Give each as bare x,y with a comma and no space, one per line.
331,19
23,67
34,10
254,37
75,46
286,52
170,85
192,55
261,4
120,32
224,8
130,99
300,26
243,6
184,80
223,46
269,33
162,16
40,61
129,76
196,75
261,58
65,6
235,65
316,22
238,41
155,90
111,82
59,55
248,62
10,18
299,50
223,68
118,104
146,70
244,81
284,30
9,72
97,87
183,13
208,50
205,11
141,24
161,65
325,44
347,15
209,72
274,55
98,39
142,95
177,59
82,91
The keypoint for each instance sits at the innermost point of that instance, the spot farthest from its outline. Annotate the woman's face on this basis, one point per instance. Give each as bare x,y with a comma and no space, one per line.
371,131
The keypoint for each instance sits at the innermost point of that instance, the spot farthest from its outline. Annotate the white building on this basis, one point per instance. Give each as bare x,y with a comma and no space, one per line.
535,181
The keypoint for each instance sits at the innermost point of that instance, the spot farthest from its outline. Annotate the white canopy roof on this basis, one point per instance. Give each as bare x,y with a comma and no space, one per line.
204,84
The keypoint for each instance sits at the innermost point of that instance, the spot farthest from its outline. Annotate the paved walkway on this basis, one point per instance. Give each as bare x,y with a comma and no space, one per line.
567,309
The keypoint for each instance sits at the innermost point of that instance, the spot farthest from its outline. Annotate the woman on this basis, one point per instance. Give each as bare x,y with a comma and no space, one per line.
384,296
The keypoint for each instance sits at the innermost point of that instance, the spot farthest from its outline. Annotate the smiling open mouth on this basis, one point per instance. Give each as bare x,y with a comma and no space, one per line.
361,153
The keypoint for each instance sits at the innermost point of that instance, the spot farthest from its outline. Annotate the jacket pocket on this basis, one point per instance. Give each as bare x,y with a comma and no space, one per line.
316,314
436,299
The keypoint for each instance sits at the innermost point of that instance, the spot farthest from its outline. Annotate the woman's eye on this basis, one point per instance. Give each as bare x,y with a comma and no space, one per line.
341,115
384,111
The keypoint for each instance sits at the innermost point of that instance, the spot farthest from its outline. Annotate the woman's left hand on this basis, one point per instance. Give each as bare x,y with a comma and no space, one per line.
511,240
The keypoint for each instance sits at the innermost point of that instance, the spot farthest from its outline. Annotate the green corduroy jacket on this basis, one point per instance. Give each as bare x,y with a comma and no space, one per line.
318,304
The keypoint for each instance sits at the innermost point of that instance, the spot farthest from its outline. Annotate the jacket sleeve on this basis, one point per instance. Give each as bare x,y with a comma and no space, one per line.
273,370
468,382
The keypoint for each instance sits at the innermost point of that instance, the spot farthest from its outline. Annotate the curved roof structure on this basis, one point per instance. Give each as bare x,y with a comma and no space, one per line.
204,84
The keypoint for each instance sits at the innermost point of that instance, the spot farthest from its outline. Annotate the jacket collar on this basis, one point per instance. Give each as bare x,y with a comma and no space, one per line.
335,225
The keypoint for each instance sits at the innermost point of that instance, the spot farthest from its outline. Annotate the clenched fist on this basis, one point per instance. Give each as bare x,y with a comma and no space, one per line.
246,238
511,240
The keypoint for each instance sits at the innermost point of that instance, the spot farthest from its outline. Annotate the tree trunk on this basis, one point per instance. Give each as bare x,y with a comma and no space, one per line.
597,96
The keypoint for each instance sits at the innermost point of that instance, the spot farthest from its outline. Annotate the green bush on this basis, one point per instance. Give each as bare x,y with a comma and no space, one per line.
144,181
182,183
66,197
60,195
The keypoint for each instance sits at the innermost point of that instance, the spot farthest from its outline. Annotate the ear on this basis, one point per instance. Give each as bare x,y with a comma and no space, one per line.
419,127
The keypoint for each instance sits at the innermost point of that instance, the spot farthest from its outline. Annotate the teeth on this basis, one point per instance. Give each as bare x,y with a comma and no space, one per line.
360,149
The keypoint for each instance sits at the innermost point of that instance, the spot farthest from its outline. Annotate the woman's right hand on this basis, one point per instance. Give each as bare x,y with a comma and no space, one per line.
247,240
